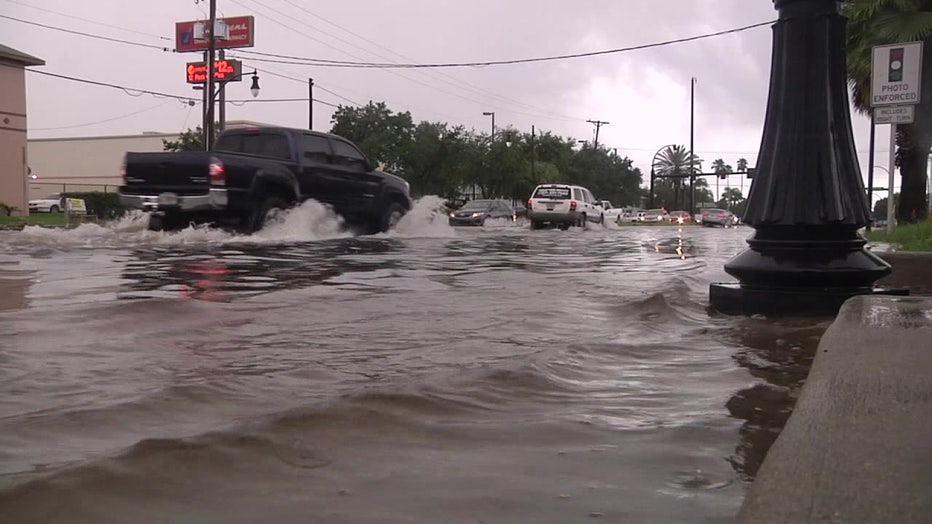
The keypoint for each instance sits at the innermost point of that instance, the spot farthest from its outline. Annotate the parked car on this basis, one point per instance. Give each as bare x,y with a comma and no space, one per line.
610,212
254,173
655,215
718,217
628,217
563,205
53,203
479,212
680,217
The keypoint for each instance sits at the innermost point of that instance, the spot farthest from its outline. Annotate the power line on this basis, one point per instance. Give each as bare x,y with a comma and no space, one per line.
90,35
104,24
377,65
457,82
105,84
127,115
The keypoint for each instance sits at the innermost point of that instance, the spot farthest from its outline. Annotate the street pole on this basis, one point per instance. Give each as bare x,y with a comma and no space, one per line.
870,173
692,104
493,127
310,103
598,125
203,89
892,170
533,154
223,102
211,56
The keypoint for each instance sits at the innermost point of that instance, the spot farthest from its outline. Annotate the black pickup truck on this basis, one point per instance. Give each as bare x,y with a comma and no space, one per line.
255,173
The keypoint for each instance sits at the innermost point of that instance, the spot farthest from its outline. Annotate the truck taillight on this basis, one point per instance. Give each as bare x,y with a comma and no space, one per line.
218,176
573,205
529,204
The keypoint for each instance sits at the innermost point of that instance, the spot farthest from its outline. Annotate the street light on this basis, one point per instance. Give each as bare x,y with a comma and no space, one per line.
491,114
254,89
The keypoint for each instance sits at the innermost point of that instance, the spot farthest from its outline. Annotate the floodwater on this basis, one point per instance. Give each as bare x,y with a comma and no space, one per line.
426,375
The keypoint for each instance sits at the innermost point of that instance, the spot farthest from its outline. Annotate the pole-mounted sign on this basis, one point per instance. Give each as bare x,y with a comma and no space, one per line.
224,71
192,36
896,73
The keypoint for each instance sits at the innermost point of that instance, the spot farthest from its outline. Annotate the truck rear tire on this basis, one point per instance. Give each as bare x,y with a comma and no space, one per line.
268,210
390,217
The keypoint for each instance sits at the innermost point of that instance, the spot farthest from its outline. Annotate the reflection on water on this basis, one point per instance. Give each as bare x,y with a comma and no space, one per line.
779,352
485,374
241,270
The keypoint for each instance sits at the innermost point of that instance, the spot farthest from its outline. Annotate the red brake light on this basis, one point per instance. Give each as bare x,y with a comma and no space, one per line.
529,204
573,205
218,175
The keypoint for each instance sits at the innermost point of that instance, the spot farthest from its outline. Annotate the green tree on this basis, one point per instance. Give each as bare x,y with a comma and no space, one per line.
673,166
731,199
190,140
380,133
877,22
880,207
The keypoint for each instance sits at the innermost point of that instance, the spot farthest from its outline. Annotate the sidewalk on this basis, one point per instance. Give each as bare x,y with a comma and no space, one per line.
858,445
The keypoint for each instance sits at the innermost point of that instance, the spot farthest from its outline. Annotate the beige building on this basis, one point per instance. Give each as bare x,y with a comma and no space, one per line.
76,164
60,165
13,153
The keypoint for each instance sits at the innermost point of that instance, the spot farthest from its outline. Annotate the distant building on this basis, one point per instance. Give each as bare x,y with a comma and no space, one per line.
74,164
13,154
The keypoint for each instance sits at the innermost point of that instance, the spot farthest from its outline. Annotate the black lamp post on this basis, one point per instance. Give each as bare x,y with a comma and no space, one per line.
807,200
253,89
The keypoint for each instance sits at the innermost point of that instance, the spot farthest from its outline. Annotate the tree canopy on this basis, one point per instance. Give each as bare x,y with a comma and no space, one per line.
455,163
877,22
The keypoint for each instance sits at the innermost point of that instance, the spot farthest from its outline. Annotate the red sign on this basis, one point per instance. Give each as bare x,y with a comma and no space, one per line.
224,71
188,40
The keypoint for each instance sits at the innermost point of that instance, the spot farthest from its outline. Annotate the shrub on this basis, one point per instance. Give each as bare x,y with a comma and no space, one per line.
6,209
102,205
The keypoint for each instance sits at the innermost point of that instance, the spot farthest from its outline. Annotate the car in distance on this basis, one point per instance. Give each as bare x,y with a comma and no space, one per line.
655,215
718,217
680,217
563,205
479,212
53,203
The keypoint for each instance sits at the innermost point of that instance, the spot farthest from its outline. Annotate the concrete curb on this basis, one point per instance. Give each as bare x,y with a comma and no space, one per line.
858,445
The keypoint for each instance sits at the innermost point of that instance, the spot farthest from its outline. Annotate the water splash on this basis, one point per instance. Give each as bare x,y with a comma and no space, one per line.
426,219
308,222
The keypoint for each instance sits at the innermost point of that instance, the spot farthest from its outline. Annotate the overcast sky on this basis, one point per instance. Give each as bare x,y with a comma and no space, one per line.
643,94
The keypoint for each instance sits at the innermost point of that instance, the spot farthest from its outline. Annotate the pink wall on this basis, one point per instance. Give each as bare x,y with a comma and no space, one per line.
13,136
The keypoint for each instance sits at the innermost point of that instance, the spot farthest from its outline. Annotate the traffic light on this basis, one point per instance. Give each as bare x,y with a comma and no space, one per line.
895,66
723,175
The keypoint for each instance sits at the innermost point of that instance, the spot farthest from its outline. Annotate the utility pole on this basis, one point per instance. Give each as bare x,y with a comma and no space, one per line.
533,153
598,124
222,102
692,156
870,173
310,104
211,56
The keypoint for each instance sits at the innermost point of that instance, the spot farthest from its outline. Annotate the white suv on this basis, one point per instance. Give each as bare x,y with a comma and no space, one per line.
563,205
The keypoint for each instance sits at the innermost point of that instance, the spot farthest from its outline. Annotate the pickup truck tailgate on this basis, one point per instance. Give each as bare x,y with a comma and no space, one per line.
185,172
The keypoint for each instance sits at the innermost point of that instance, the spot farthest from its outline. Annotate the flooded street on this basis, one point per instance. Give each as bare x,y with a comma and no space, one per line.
427,375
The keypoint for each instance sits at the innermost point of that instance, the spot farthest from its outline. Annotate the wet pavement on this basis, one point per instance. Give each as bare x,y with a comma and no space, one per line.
430,374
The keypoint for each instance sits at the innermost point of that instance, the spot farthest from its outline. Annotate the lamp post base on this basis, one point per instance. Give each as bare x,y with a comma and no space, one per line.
734,299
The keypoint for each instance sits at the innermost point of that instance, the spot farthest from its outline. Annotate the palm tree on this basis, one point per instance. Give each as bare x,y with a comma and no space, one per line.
742,165
877,22
722,170
676,163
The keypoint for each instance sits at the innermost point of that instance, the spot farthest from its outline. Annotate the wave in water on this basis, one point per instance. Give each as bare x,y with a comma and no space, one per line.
311,221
